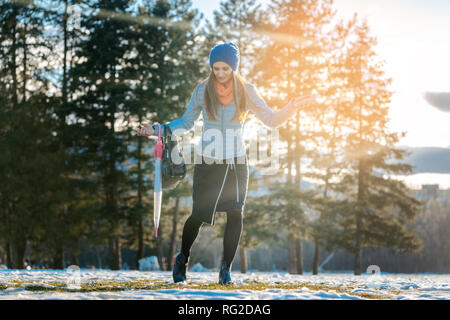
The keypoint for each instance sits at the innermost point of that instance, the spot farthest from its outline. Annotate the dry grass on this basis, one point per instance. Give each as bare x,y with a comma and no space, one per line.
108,285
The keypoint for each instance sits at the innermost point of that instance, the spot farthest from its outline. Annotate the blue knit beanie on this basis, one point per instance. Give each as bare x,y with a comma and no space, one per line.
226,52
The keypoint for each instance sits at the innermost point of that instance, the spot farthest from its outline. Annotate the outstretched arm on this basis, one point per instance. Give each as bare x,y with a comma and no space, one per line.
191,114
269,117
185,122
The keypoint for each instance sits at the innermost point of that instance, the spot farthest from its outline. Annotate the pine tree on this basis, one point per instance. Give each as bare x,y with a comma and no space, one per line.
382,205
328,163
99,106
289,66
167,67
27,129
71,185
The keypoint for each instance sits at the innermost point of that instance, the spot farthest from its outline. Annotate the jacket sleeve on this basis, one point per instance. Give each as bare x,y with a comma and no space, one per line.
264,113
189,117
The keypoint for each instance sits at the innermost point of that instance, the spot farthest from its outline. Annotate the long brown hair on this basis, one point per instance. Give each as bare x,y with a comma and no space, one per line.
212,101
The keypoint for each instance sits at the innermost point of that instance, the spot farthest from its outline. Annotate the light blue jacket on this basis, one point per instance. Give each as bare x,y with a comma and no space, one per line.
216,132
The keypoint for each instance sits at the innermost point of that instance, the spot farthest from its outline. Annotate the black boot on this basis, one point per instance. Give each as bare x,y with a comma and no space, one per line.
179,268
224,274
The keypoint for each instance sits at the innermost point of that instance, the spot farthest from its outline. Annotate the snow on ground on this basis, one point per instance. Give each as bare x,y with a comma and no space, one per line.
391,286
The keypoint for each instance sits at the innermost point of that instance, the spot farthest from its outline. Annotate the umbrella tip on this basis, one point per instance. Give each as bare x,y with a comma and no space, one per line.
156,232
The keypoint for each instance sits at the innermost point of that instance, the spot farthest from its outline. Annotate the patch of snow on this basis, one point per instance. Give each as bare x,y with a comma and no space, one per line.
149,264
199,268
394,286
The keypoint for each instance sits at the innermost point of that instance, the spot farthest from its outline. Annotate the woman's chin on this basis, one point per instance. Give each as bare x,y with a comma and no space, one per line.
224,80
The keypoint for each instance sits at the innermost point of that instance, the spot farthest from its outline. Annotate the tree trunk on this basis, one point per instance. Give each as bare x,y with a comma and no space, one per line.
289,160
173,235
99,260
243,259
117,253
110,252
292,266
357,267
24,62
140,251
315,268
73,253
19,253
159,252
9,258
58,258
115,257
65,50
74,259
13,60
298,151
298,180
359,211
291,241
298,255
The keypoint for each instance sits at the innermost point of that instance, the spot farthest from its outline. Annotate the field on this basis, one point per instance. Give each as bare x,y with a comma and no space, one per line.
158,285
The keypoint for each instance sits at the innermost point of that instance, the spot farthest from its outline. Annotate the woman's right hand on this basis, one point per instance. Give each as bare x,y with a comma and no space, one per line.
146,130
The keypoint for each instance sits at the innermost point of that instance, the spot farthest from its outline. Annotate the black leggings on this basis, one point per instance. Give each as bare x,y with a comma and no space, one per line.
231,237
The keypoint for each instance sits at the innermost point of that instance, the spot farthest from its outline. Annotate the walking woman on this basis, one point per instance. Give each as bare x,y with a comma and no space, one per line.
221,169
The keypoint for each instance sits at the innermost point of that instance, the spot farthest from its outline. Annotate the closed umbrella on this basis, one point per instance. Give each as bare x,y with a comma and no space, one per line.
157,192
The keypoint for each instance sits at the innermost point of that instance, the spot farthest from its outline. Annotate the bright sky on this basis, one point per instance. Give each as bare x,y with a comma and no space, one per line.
412,39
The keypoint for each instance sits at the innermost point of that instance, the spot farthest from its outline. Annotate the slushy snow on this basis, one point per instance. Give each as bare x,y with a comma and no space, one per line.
395,286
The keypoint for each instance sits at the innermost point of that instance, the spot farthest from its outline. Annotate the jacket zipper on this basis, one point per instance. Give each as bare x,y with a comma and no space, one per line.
221,119
225,177
221,127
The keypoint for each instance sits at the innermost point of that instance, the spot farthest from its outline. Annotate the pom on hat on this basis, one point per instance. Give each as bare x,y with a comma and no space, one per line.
226,52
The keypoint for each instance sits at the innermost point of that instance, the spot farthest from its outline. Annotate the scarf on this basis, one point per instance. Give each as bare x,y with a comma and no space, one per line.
225,91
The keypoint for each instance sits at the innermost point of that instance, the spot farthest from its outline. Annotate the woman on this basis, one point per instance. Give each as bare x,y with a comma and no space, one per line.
224,99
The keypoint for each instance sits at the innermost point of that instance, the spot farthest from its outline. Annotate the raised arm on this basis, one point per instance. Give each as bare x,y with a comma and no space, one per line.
264,113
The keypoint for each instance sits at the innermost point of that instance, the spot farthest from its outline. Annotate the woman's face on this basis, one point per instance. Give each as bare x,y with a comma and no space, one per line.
222,71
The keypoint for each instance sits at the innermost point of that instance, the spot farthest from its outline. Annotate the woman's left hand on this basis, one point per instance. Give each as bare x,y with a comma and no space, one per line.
298,101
